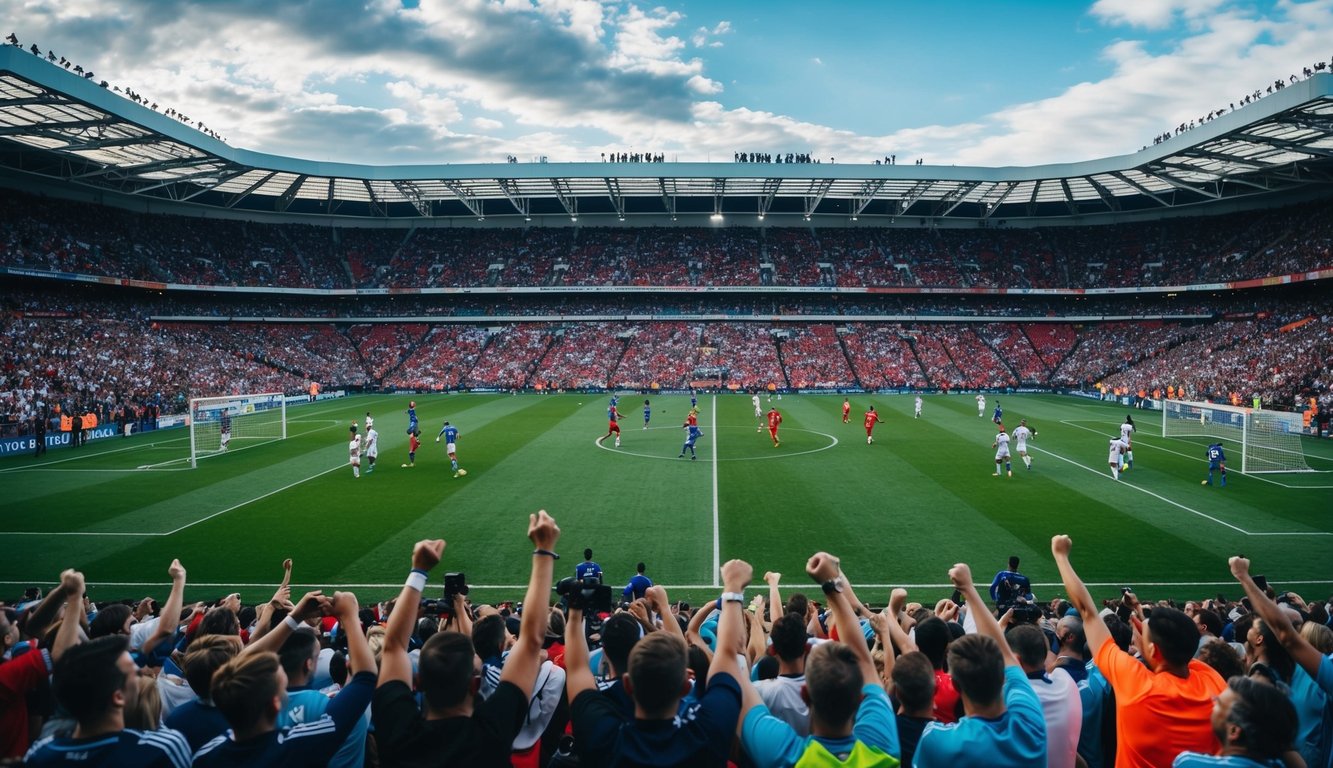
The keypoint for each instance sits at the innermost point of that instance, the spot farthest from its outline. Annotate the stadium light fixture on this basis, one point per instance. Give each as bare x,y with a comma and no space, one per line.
716,217
761,217
573,218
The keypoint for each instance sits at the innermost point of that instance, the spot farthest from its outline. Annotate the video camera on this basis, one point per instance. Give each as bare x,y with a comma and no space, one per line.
588,594
454,584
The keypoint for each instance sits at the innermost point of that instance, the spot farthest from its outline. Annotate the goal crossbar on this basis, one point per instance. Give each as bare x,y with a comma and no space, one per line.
217,423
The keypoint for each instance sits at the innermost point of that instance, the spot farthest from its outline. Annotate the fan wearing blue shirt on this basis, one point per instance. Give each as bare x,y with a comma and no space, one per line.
1003,723
638,584
851,721
1255,722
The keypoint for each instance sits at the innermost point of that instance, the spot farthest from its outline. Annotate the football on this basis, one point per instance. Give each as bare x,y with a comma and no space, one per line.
1203,482
462,472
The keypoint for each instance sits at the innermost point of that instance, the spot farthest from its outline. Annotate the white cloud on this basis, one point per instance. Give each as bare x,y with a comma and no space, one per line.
1152,14
817,61
486,124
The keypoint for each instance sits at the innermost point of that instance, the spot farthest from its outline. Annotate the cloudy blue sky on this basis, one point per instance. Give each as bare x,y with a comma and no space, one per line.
1018,82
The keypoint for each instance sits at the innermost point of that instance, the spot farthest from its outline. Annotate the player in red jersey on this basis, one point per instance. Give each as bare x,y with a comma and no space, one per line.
774,419
413,443
613,427
692,419
872,418
846,410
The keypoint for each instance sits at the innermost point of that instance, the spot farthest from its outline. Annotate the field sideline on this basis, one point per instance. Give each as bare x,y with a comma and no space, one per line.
899,512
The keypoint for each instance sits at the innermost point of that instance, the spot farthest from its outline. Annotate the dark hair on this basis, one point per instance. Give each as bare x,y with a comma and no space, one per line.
767,668
299,647
933,638
789,637
1174,634
338,668
640,567
1265,716
1275,654
976,665
1219,655
488,636
218,621
657,672
244,686
587,553
1121,633
619,635
1210,620
88,675
446,669
1029,644
833,679
798,604
914,680
1013,562
109,621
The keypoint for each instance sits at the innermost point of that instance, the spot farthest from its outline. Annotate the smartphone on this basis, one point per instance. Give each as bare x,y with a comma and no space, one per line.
1261,582
957,597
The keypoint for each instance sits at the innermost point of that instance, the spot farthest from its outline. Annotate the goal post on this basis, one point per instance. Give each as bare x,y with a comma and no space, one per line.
1269,441
219,423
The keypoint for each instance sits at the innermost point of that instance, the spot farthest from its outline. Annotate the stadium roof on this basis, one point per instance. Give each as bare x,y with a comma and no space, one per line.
61,126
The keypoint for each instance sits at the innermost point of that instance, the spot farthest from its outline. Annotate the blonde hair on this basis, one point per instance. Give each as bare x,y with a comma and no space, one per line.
1318,635
375,637
146,714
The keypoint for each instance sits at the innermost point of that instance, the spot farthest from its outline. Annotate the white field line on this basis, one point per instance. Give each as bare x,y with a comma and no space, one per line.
1195,457
91,455
183,527
717,541
519,587
1177,504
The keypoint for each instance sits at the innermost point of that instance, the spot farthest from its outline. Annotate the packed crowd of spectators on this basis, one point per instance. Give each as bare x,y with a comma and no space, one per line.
63,236
764,673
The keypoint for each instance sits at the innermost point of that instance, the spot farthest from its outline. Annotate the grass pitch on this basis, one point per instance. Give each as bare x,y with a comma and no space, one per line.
898,512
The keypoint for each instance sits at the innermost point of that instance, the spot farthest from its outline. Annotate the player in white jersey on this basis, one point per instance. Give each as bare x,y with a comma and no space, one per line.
1127,429
354,452
981,406
918,407
1118,449
758,413
1021,437
370,421
1001,446
372,445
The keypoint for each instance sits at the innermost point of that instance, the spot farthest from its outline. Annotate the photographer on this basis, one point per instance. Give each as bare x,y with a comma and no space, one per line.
1010,587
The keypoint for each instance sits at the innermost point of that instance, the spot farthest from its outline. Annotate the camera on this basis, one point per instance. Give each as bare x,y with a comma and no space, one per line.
454,584
588,594
1026,613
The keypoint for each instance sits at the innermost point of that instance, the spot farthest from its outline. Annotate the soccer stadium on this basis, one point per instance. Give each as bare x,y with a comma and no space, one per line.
233,359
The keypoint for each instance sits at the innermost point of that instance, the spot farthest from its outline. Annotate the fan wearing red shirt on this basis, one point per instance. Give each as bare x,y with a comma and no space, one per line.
774,419
872,419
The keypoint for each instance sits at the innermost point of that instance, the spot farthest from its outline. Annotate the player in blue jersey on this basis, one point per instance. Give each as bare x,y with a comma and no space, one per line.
450,434
647,413
411,417
998,416
694,400
1217,460
693,434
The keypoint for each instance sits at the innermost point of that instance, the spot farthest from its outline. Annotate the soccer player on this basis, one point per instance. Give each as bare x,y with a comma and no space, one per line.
872,419
412,417
354,452
758,413
846,410
1021,437
1217,460
917,415
774,419
225,429
694,400
450,433
612,416
372,445
692,417
370,421
413,443
693,435
998,416
1001,446
1127,429
647,413
1118,448
981,406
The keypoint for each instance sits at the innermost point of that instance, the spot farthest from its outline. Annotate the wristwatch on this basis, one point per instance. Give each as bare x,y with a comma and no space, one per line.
832,585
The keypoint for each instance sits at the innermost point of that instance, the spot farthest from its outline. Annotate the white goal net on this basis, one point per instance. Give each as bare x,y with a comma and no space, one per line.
1269,441
219,424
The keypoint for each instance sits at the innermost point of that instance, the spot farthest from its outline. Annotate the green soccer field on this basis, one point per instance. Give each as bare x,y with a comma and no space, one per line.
898,512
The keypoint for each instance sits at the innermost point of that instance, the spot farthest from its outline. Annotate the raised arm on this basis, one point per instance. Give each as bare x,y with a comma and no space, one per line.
775,607
312,604
736,575
700,616
69,634
395,666
348,611
578,675
525,657
901,640
1094,628
41,619
1300,649
961,576
826,570
169,620
657,598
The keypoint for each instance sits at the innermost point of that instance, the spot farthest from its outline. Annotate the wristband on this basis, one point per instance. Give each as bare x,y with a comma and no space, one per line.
291,623
546,552
733,597
416,580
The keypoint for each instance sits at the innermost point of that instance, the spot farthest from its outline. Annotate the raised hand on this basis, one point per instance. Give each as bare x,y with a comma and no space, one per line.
72,582
344,605
961,576
1060,545
823,567
312,604
176,571
1240,566
542,530
736,574
426,554
772,577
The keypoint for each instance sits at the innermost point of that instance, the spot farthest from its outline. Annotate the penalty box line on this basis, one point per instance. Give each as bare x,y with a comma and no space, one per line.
233,507
1178,505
